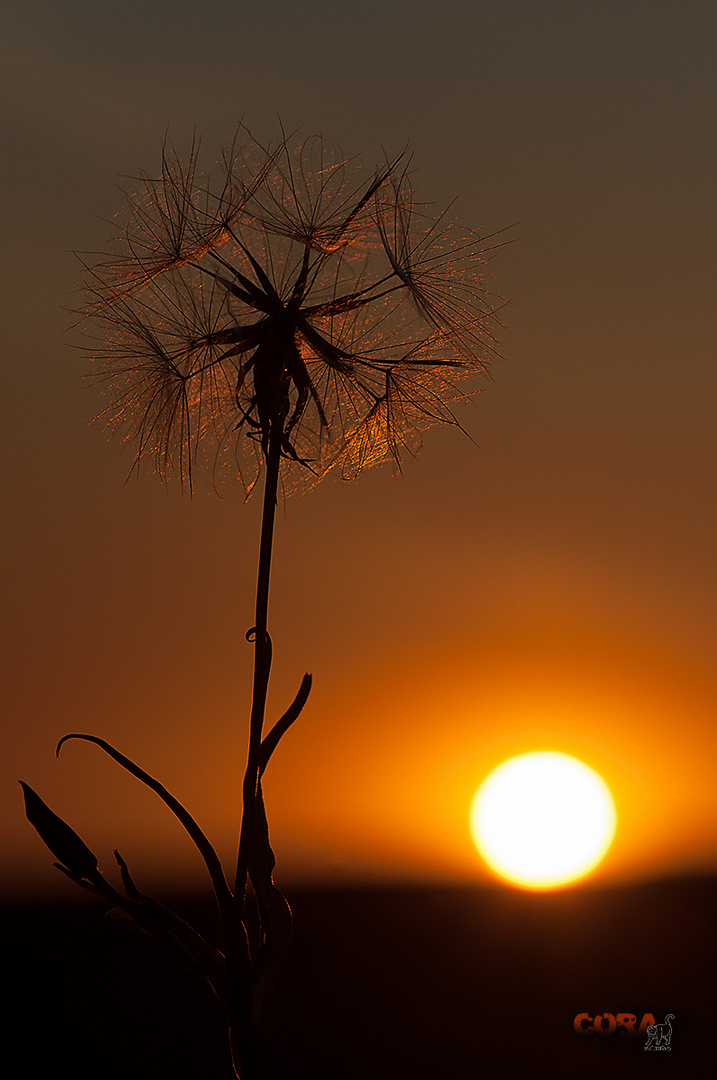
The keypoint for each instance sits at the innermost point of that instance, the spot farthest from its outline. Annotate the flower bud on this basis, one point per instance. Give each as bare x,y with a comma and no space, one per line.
59,837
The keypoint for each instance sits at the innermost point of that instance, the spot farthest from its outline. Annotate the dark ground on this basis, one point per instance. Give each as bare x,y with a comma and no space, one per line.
382,983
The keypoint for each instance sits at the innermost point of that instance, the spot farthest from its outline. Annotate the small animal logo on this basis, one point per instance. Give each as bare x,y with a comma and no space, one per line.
659,1035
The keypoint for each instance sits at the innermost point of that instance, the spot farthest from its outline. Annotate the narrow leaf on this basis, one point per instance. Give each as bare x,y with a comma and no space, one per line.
282,725
62,841
214,866
172,933
129,886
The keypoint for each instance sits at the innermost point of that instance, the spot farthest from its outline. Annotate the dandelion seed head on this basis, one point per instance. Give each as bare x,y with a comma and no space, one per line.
289,294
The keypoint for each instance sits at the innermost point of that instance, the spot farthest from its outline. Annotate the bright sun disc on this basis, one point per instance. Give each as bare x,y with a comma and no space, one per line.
543,819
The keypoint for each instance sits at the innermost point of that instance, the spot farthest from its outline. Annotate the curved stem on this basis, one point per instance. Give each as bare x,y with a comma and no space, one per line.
262,661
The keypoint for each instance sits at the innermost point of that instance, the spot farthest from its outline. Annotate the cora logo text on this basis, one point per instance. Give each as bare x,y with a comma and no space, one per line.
608,1023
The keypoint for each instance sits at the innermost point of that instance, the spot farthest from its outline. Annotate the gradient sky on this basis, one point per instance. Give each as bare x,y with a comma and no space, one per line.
550,586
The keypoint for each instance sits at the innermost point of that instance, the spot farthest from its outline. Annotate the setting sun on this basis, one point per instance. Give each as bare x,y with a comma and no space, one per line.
543,819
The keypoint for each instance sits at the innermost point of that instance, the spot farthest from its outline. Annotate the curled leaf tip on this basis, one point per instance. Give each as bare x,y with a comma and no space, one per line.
72,735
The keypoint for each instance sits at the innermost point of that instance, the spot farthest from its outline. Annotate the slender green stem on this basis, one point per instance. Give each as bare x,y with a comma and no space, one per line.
262,661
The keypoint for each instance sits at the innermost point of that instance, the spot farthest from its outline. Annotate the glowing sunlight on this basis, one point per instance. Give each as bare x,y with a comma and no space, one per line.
543,819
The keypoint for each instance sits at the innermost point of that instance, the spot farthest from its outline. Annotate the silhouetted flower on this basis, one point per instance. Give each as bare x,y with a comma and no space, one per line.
296,295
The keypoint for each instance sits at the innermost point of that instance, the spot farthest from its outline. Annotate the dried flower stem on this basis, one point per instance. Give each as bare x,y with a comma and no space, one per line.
262,663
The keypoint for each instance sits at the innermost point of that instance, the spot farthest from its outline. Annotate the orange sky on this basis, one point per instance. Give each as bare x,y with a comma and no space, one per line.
551,587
